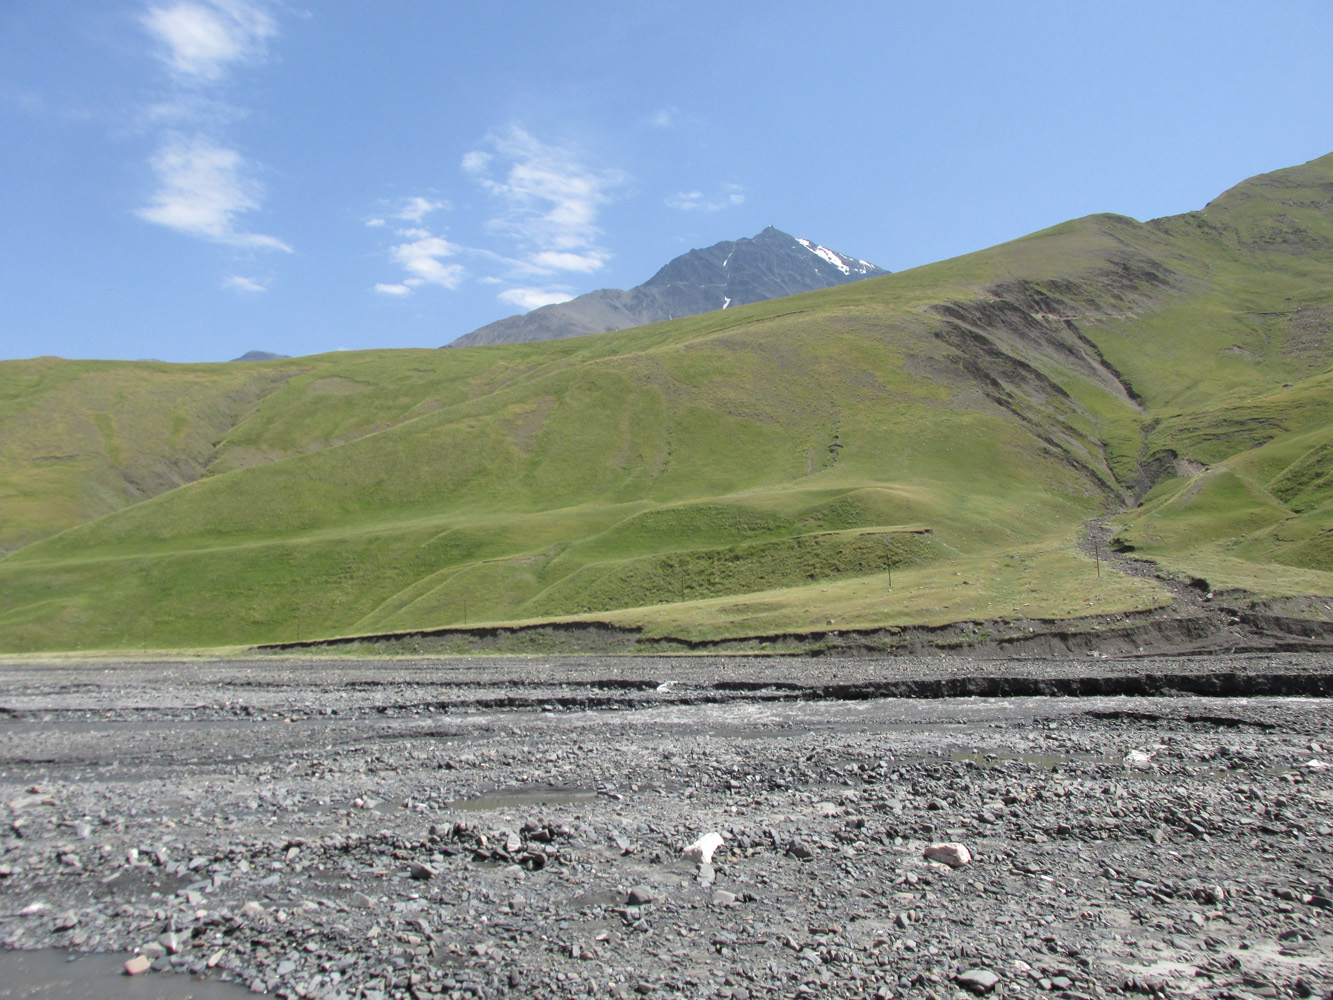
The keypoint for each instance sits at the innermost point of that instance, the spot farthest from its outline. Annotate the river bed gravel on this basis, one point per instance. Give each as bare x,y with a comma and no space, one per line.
516,827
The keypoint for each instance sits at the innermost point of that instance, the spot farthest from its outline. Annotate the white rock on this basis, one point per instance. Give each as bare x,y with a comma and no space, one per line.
1139,758
951,854
702,849
1318,765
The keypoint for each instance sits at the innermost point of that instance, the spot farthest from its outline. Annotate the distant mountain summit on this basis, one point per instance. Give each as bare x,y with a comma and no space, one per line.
260,356
730,273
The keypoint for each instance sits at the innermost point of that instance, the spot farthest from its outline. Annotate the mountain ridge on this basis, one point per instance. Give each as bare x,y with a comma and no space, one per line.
730,273
927,448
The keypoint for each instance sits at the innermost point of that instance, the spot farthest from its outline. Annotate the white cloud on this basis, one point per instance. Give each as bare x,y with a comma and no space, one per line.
240,283
417,208
202,187
546,205
548,198
420,258
374,222
695,201
476,161
563,260
533,298
664,118
201,39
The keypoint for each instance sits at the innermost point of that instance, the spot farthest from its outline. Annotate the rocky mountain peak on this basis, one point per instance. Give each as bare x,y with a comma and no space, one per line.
731,273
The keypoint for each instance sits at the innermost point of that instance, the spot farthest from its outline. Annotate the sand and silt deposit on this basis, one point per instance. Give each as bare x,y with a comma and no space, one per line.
518,827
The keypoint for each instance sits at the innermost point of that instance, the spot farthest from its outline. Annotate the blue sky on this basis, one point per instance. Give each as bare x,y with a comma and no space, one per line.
191,179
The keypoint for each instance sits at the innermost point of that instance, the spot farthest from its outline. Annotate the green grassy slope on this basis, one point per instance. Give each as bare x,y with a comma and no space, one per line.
758,469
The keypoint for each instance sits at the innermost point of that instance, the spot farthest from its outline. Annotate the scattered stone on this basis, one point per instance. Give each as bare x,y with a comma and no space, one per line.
952,854
977,981
138,965
800,850
1141,759
701,851
277,885
423,872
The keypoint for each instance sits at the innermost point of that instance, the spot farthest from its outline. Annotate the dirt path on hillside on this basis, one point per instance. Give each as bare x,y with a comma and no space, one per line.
516,827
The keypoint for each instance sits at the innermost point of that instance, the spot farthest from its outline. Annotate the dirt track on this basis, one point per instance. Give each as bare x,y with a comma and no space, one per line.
515,826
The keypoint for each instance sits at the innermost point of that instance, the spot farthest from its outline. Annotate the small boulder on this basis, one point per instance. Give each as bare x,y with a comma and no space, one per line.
800,850
138,965
701,851
977,981
951,854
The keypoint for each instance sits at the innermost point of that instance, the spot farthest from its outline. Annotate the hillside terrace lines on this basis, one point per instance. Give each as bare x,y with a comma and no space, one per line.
1027,386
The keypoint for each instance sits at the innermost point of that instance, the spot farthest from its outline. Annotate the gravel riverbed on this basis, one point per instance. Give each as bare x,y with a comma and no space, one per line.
518,827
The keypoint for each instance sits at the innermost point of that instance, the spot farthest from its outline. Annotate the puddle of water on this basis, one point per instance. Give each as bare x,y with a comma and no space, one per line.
516,798
1045,761
51,975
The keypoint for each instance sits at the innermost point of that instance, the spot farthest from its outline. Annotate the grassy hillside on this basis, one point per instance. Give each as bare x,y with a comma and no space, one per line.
771,468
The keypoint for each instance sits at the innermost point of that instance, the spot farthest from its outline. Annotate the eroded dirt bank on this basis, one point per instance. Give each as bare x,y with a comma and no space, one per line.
515,827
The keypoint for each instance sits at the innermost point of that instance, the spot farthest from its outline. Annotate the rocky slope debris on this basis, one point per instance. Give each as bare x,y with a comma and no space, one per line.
401,848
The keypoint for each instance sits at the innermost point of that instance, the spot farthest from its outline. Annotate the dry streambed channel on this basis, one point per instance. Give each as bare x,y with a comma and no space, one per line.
522,827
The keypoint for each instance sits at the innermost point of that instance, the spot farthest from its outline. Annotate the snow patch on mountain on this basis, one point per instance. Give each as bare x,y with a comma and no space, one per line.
832,256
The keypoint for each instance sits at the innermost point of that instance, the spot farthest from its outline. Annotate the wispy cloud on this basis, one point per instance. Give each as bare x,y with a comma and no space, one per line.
548,199
664,118
240,283
416,208
533,298
565,260
546,202
421,259
199,40
202,188
729,196
204,184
